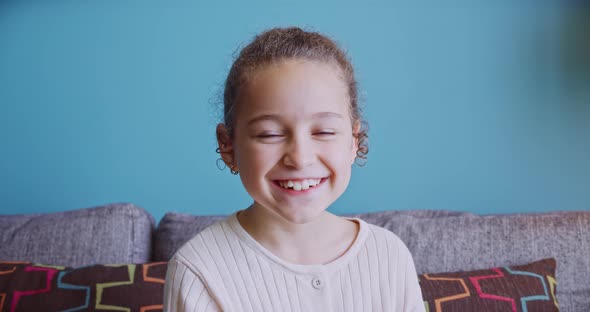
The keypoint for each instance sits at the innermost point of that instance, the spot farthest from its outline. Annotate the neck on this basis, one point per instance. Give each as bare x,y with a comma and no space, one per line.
319,241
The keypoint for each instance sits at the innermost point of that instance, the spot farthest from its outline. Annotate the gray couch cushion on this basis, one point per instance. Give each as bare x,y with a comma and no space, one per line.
117,233
444,241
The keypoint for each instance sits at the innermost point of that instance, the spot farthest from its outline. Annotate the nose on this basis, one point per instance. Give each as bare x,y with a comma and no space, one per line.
299,153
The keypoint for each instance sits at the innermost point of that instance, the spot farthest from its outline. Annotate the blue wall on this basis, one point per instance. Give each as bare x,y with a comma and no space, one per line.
483,108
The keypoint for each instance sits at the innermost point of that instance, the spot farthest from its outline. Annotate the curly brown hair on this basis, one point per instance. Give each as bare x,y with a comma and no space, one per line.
278,44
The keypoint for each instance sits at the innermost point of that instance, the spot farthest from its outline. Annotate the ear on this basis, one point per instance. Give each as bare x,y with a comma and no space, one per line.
356,129
225,146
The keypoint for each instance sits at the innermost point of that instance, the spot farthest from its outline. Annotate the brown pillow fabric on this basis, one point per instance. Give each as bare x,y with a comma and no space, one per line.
527,288
26,286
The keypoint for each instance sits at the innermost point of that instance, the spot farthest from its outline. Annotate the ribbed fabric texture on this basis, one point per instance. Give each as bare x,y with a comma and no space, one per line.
224,269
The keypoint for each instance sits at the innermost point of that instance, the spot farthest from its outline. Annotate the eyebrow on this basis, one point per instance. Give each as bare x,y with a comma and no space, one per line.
274,117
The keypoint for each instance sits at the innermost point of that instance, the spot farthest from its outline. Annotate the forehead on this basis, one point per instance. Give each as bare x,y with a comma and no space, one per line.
293,89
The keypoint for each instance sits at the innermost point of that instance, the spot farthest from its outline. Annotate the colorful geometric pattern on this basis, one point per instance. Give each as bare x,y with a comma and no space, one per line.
26,286
526,288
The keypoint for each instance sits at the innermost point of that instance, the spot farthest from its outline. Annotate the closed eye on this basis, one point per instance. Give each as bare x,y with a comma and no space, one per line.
262,136
324,133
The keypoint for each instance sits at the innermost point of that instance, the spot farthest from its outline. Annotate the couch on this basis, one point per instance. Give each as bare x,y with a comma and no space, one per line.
114,256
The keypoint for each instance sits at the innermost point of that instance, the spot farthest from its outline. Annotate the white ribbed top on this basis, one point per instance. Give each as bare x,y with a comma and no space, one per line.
224,268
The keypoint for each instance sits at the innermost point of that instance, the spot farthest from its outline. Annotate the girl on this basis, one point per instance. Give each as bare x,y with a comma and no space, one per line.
292,130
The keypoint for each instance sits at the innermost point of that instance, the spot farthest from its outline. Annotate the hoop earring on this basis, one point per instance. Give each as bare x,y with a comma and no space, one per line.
220,164
233,171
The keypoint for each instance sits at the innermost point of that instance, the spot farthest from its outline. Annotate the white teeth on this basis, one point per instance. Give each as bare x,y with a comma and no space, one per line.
299,185
304,185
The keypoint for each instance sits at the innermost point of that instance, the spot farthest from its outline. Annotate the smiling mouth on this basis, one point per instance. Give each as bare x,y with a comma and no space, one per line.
299,185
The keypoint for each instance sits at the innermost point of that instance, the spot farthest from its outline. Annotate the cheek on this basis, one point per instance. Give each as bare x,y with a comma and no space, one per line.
339,153
255,158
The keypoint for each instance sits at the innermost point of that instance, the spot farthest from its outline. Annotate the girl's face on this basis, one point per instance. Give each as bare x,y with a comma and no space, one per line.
293,138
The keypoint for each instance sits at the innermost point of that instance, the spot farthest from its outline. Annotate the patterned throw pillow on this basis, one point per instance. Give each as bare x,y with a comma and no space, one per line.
528,288
26,286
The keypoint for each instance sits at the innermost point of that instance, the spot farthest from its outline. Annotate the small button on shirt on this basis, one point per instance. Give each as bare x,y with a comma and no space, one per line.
317,283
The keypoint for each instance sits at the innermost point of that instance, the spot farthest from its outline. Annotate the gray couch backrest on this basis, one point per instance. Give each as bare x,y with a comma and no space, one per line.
117,233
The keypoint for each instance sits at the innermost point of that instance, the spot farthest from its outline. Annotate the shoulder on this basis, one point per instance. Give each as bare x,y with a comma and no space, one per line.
199,261
185,289
384,239
205,248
